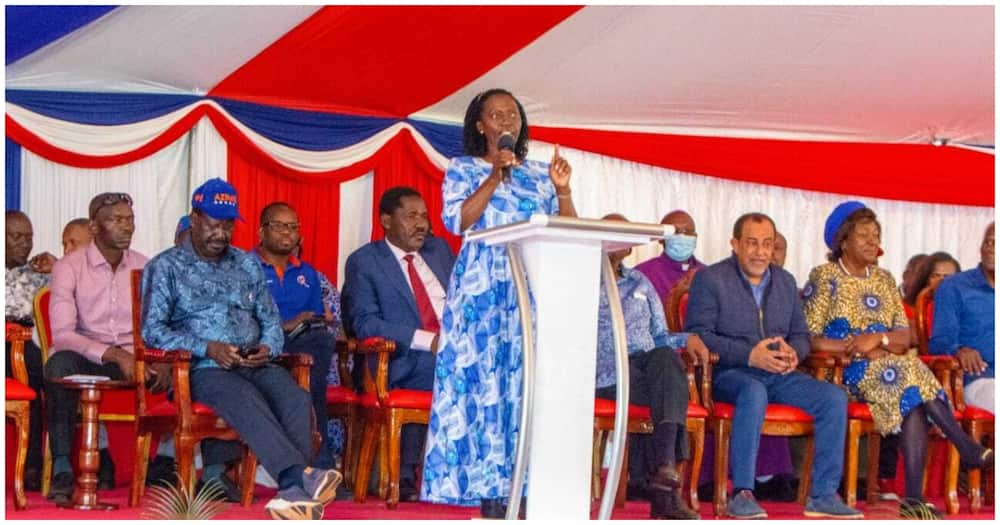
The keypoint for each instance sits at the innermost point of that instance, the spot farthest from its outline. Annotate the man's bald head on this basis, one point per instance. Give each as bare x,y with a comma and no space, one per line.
618,256
682,222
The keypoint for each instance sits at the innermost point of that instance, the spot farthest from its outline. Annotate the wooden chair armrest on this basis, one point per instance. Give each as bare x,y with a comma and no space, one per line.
16,336
155,355
17,332
298,365
372,345
182,393
941,362
345,353
381,348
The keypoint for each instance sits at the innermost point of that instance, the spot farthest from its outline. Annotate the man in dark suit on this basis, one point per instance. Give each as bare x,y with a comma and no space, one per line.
395,288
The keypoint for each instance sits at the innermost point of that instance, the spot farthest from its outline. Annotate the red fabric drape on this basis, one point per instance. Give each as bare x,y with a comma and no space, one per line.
316,197
907,172
403,163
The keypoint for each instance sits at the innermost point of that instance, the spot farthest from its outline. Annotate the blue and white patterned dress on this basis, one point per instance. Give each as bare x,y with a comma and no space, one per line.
476,406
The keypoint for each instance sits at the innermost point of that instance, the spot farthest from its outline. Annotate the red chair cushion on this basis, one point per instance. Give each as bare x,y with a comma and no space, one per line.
859,411
775,413
18,391
978,414
167,408
697,411
606,408
341,395
400,398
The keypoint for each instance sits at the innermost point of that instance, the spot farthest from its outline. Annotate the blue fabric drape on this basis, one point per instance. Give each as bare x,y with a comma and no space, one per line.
446,138
32,27
104,109
307,130
13,152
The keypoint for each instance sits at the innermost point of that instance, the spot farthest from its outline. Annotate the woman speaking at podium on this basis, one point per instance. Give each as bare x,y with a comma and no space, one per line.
476,404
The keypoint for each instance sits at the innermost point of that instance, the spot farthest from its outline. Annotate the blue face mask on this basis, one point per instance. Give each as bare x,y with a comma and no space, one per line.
680,248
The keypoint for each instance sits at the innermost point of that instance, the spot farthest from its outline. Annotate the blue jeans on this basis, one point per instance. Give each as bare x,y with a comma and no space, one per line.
751,389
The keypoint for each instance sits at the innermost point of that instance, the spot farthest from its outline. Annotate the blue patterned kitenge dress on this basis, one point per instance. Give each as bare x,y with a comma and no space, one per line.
475,411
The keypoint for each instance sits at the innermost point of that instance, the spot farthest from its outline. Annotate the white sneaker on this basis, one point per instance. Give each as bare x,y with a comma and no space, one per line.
294,504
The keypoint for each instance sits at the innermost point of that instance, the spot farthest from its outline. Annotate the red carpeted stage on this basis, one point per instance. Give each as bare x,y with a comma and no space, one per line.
40,509
121,437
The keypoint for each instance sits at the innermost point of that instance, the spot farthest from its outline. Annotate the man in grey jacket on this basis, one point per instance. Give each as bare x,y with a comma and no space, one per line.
748,311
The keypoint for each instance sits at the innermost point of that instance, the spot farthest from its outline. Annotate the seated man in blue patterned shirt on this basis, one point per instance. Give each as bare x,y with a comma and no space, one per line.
657,379
210,298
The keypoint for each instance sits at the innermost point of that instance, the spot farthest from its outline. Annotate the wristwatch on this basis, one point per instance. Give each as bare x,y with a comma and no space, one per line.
885,341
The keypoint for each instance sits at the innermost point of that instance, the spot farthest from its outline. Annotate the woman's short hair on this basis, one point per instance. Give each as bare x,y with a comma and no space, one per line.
474,142
858,217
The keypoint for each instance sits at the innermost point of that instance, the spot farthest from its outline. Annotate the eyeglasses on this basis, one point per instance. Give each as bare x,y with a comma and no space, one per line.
283,226
108,199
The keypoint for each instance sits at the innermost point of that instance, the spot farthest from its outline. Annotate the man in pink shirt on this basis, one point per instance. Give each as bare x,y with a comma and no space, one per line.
91,316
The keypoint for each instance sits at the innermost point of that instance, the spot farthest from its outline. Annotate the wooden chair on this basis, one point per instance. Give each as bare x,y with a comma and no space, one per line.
779,420
860,422
385,412
977,422
18,396
116,405
640,422
343,402
189,421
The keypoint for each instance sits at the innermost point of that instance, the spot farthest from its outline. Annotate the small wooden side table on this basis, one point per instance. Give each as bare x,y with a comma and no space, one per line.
85,491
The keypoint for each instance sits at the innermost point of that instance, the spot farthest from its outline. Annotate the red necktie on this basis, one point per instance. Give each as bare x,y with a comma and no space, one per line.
427,316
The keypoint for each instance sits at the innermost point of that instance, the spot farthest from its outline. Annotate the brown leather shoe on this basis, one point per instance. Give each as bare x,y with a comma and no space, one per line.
669,505
665,478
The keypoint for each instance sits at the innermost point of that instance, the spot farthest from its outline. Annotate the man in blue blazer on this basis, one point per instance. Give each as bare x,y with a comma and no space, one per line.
395,288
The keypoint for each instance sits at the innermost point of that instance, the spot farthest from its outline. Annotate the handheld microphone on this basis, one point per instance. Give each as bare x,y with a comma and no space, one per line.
506,142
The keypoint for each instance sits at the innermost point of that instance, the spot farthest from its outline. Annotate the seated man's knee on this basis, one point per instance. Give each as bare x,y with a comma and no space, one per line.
753,396
62,364
834,397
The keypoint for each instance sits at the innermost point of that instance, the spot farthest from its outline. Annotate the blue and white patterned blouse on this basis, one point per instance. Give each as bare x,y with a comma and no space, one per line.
645,324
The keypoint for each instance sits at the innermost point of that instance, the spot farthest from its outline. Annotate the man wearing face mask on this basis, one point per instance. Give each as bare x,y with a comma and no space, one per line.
677,259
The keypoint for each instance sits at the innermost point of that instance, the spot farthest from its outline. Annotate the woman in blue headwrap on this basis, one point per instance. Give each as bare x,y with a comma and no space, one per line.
852,307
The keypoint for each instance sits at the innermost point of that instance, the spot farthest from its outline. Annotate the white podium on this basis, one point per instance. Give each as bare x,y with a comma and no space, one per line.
563,258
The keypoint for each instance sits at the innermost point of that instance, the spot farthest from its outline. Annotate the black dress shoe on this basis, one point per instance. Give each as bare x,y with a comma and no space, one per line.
32,480
162,470
230,492
492,509
61,488
408,492
106,473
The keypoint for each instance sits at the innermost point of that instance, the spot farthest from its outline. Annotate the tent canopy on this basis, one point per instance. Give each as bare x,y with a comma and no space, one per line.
885,74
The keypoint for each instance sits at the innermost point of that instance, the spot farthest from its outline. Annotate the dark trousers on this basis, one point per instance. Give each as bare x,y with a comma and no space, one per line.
265,406
319,343
751,389
658,380
63,403
33,363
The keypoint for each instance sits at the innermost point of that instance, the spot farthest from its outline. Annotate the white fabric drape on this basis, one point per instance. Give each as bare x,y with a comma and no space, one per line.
644,193
53,194
89,139
209,154
356,203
